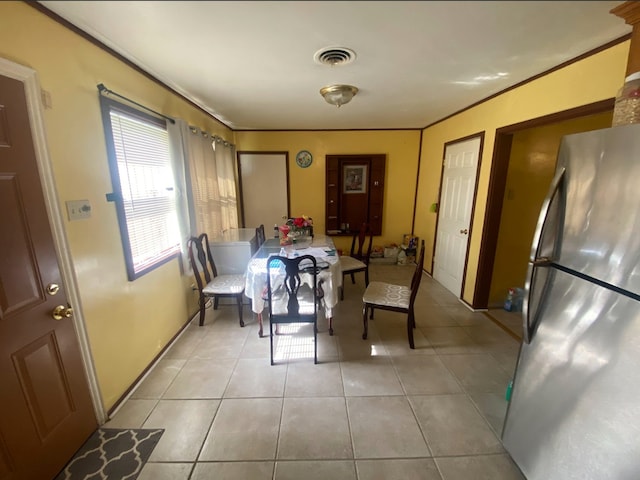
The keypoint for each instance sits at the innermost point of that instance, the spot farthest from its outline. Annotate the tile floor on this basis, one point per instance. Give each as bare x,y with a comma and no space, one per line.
512,321
370,410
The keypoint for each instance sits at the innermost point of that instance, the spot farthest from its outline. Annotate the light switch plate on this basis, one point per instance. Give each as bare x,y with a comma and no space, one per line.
78,209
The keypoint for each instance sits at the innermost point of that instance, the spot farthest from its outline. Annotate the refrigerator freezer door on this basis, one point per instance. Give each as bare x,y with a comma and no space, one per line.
574,407
601,224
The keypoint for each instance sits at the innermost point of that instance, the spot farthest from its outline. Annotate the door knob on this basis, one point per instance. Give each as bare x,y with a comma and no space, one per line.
464,232
61,312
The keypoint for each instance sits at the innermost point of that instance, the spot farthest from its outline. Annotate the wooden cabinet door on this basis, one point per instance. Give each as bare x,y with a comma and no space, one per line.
350,204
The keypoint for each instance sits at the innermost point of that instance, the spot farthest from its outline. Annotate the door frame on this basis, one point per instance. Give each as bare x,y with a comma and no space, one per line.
497,185
29,78
473,203
240,186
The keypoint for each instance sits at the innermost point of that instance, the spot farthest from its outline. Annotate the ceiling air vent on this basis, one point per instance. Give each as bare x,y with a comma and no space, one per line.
334,56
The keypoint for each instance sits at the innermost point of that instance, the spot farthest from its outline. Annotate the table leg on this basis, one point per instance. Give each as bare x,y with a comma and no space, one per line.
330,320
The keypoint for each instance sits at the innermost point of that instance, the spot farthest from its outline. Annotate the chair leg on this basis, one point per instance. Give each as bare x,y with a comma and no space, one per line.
366,277
330,320
271,341
410,323
239,300
365,321
315,342
202,309
260,324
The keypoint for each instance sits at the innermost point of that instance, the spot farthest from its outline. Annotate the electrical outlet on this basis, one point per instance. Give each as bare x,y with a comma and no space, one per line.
78,209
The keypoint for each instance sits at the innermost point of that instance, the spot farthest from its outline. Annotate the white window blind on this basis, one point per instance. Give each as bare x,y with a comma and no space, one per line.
147,187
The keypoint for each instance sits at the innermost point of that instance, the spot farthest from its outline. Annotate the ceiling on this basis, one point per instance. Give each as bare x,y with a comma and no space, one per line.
251,64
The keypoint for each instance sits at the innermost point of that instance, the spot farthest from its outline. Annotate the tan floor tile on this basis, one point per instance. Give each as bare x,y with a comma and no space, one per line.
478,372
450,340
233,433
396,341
373,376
132,414
488,333
185,424
201,378
493,407
314,428
185,345
165,471
453,426
308,380
233,471
315,470
425,376
484,467
405,469
384,427
158,379
256,378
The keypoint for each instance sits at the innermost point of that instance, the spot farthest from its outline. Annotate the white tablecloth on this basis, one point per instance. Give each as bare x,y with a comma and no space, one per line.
256,277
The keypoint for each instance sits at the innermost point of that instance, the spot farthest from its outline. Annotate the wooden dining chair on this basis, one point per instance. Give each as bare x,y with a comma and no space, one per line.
358,259
292,300
210,284
396,298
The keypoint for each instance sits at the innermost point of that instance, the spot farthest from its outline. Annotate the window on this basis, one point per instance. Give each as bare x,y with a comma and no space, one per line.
143,186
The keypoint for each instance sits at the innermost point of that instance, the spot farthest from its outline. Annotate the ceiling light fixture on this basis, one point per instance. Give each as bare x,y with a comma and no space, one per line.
338,94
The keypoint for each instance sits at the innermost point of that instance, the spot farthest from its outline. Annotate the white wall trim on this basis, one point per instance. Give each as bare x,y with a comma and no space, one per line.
29,77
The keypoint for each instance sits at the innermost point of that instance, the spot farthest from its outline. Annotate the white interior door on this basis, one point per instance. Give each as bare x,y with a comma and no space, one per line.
454,218
265,199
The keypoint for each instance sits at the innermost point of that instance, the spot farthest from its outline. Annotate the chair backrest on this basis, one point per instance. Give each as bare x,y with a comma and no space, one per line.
417,275
204,268
260,235
289,297
358,241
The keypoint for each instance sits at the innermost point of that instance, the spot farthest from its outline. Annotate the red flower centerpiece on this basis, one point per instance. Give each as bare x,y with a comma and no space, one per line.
295,229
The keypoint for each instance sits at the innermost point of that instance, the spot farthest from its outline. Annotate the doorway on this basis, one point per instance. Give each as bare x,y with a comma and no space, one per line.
49,386
457,199
264,189
523,165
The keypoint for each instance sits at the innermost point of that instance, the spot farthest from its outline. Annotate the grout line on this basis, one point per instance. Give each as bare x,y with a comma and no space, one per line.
502,326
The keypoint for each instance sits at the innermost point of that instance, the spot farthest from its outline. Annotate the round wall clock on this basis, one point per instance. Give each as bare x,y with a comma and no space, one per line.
303,159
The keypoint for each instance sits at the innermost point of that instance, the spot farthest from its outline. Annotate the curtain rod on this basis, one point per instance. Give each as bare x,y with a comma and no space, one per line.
102,89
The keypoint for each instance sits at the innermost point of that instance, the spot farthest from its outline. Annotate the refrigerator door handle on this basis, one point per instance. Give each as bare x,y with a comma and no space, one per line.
536,261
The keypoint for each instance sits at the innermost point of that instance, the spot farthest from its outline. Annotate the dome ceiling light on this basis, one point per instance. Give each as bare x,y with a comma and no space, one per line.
338,94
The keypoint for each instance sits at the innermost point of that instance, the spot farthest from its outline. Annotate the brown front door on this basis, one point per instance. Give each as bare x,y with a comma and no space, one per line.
46,411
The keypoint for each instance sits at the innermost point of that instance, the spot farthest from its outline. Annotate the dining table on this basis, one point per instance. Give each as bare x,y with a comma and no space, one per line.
321,247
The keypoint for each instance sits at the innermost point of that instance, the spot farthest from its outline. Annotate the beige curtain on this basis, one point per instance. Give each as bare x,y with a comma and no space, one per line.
225,154
213,184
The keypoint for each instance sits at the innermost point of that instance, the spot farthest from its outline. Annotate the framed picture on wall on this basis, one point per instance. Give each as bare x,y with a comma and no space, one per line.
354,179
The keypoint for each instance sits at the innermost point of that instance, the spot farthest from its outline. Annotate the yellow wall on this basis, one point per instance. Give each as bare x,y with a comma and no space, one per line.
531,167
307,185
595,78
128,323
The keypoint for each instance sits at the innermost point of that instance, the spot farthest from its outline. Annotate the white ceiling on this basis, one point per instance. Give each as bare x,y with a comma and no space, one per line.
251,63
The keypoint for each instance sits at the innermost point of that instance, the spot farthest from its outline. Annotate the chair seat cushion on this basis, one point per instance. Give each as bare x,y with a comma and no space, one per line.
348,264
388,294
225,285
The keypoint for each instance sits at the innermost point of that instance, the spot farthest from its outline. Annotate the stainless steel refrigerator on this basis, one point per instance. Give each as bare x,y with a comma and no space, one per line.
574,411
